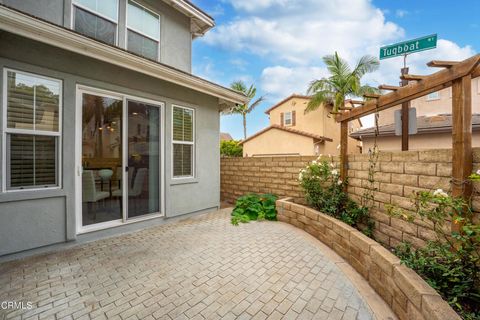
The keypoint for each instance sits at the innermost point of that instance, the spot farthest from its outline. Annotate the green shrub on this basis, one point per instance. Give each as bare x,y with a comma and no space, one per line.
324,191
253,207
451,263
231,148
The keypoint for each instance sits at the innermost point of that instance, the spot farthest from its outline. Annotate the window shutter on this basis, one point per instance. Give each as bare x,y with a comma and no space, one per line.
294,118
281,119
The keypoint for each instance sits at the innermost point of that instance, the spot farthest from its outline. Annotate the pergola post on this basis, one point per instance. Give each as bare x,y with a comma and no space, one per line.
461,138
343,150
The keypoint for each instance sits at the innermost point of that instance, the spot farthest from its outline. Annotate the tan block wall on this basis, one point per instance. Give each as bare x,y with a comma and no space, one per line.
409,296
399,174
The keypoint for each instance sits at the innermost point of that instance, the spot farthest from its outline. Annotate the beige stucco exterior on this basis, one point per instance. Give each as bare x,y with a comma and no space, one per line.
425,106
319,122
278,142
429,107
418,142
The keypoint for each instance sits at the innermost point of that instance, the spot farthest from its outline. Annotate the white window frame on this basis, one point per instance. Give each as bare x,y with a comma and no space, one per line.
192,143
127,28
290,118
433,96
6,131
78,5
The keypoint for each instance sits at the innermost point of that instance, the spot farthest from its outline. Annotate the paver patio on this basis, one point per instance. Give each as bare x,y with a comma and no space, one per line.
199,268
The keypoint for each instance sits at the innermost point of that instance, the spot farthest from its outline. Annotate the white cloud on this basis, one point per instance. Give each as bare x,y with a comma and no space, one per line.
279,81
400,13
301,32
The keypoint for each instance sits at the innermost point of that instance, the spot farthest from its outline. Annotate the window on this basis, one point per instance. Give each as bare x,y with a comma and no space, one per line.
32,131
143,31
433,96
183,138
97,19
287,119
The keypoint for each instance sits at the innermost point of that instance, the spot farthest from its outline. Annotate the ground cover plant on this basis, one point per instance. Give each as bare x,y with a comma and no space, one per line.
451,263
252,207
325,191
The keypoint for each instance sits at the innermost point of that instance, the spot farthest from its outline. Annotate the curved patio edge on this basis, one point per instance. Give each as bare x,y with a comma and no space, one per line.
409,296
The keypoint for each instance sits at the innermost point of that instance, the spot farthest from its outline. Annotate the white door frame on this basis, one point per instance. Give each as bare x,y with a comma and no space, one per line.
80,90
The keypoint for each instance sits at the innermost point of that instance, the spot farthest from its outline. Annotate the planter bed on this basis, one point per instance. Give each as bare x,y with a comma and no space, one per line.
409,296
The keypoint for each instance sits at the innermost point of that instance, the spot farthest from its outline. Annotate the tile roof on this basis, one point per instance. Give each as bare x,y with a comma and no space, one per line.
425,124
290,130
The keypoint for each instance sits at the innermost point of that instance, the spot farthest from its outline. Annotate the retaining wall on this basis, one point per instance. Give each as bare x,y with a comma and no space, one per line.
398,175
409,296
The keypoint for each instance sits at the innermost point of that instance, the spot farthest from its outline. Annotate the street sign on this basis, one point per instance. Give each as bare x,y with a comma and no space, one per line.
407,47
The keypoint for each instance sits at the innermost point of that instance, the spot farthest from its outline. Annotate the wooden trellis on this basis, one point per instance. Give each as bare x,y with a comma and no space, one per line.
458,75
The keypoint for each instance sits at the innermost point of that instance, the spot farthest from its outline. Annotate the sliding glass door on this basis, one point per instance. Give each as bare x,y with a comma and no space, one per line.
120,176
143,159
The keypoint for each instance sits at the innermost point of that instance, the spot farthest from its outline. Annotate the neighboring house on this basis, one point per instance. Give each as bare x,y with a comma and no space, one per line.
294,132
433,123
103,129
225,136
434,132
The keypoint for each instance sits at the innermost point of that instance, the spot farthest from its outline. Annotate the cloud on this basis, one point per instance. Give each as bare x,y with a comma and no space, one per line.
400,13
300,32
279,81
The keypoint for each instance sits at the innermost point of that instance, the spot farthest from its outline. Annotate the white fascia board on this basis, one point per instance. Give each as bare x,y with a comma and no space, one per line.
29,27
186,8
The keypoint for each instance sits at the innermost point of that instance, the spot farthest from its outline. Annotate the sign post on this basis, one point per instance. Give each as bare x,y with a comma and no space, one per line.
403,49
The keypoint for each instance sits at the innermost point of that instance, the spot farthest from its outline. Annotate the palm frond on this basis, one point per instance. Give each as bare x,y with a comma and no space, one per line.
365,65
337,66
318,99
255,104
239,85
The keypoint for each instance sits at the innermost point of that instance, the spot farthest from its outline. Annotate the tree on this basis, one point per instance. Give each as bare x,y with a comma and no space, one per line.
231,148
245,109
342,83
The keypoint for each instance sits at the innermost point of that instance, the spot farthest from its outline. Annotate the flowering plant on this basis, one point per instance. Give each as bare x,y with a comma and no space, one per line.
450,263
475,176
325,191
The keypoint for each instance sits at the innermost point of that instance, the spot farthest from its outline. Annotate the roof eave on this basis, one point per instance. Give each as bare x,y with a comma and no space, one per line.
201,22
27,26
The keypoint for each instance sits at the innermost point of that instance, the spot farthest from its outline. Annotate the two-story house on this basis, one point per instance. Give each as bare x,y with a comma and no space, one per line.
434,123
294,132
103,127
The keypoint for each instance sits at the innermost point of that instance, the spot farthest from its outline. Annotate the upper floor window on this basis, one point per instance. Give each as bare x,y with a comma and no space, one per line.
97,19
287,119
143,31
32,131
433,96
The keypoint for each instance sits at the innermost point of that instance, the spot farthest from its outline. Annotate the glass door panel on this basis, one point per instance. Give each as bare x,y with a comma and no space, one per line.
143,159
101,159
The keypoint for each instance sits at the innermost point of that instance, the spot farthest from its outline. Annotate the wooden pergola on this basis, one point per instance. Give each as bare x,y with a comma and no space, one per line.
458,75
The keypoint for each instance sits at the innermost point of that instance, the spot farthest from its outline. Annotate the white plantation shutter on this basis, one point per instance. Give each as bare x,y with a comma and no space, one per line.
33,131
183,141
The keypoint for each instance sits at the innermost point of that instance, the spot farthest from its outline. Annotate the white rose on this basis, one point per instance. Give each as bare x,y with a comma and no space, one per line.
478,171
335,172
339,182
440,193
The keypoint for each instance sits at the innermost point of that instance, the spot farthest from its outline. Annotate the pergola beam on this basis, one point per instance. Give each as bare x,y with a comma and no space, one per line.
441,64
412,77
388,87
434,82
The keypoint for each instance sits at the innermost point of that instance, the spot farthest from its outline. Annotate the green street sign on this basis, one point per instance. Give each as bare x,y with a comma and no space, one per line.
407,47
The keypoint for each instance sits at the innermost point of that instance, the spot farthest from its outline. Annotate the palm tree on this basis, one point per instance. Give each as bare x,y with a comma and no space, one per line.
245,109
342,83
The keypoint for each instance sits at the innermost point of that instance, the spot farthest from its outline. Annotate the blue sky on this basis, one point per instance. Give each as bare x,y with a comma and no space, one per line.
278,44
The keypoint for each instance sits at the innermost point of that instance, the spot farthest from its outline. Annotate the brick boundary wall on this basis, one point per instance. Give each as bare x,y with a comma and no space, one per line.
409,296
398,175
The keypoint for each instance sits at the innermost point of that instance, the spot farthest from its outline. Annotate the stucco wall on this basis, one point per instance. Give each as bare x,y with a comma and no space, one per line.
417,142
276,141
202,192
175,36
427,107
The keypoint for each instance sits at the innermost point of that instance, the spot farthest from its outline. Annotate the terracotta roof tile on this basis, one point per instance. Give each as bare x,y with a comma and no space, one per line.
290,130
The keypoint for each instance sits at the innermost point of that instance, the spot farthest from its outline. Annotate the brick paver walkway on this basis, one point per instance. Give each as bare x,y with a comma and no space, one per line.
200,268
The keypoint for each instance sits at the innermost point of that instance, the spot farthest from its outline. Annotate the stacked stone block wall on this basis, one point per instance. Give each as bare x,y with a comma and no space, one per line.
409,296
398,175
